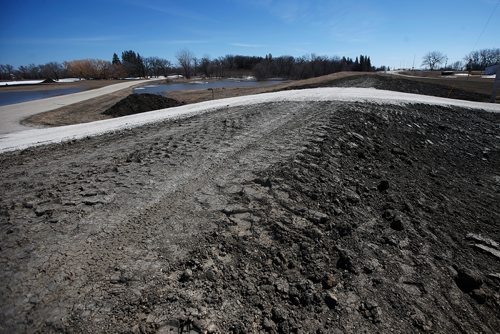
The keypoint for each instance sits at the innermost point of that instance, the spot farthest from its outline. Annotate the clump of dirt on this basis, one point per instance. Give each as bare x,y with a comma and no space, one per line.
404,85
138,103
48,80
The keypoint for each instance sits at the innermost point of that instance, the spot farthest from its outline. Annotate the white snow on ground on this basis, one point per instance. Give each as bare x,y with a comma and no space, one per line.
34,82
34,137
23,82
69,80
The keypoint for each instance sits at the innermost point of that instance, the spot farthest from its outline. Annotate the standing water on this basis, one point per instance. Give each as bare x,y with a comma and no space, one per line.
12,97
200,85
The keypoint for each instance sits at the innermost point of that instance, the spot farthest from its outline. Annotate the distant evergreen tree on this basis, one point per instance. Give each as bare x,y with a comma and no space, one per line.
364,64
133,63
116,60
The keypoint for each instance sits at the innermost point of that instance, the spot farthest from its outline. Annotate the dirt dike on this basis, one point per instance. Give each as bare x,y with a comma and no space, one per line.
321,217
138,103
405,85
93,109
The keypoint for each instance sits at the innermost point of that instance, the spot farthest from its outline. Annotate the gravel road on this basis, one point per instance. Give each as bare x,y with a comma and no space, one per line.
288,217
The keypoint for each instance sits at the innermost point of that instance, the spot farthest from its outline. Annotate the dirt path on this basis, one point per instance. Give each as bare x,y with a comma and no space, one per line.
277,217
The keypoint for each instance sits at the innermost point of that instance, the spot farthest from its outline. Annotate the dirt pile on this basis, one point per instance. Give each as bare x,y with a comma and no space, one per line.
138,103
321,217
404,85
366,230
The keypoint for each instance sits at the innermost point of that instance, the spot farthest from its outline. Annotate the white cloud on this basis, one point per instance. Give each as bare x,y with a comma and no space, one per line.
248,45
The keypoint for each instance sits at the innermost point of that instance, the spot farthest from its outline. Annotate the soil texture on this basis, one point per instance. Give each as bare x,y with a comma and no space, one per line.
323,217
410,85
138,103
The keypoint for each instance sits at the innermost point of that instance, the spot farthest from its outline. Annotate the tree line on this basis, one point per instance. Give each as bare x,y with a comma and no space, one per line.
132,64
269,67
474,61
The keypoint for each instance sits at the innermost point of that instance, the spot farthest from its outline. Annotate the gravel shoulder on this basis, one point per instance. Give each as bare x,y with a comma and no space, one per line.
280,217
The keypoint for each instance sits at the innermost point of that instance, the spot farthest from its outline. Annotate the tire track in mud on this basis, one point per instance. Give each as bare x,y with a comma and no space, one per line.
100,210
265,218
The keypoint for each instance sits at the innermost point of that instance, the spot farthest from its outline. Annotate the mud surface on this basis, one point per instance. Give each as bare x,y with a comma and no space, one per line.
138,103
320,217
448,89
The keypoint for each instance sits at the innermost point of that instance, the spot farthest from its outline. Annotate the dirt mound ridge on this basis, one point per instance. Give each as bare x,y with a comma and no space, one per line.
304,217
138,103
403,85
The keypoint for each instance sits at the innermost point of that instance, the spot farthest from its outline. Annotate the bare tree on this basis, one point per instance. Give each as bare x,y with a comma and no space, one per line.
433,59
457,66
186,60
52,70
479,60
89,68
205,63
156,66
6,72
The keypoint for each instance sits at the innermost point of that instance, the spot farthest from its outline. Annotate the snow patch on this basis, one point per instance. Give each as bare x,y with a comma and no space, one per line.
22,82
69,80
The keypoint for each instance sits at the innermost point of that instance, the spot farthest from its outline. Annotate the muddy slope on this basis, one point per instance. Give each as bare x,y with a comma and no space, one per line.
286,217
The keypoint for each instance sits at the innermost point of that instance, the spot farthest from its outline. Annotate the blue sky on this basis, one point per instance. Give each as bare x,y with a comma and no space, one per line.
391,32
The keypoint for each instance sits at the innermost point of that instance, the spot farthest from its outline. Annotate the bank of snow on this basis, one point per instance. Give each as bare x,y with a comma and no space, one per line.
36,82
28,138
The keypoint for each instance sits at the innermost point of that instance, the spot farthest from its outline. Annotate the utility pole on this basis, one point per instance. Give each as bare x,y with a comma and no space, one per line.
495,85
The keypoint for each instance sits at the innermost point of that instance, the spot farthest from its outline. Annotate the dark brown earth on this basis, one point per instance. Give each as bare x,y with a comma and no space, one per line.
321,217
138,103
411,85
